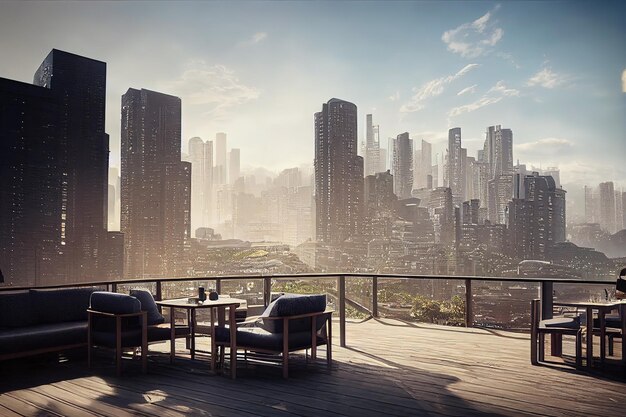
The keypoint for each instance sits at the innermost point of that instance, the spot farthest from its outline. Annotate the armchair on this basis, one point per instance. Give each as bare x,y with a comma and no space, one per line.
119,321
290,323
561,326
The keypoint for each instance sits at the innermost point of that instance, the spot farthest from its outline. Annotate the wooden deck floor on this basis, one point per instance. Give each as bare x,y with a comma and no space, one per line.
390,368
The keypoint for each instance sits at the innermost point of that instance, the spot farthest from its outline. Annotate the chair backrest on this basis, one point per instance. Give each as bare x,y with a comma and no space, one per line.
293,305
114,303
620,285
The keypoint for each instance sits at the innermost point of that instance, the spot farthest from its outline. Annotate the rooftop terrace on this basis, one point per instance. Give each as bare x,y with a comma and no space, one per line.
389,368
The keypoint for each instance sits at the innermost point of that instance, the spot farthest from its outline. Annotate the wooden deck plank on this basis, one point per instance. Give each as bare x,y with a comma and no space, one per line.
389,368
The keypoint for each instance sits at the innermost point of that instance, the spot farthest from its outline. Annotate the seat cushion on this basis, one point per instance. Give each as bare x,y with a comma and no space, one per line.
132,338
561,322
292,305
261,339
43,336
149,306
61,305
16,310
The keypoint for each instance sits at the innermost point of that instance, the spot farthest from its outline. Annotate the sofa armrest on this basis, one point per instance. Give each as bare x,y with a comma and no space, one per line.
103,313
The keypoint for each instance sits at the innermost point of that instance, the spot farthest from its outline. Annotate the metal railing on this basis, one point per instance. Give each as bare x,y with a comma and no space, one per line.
546,288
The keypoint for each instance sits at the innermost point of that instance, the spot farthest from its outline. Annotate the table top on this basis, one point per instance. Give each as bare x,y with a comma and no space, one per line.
184,303
593,304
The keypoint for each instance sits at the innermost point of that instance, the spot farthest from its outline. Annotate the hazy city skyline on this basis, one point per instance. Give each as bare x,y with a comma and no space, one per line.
453,64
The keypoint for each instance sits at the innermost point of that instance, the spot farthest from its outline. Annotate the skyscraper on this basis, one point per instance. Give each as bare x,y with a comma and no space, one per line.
338,172
607,206
537,219
455,169
589,205
31,239
156,185
402,166
201,158
234,165
423,165
498,150
220,159
372,147
79,84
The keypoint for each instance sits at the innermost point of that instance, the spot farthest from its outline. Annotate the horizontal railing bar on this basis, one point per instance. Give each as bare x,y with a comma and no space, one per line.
312,276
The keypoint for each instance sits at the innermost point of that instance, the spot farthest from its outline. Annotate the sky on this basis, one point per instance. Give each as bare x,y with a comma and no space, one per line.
553,72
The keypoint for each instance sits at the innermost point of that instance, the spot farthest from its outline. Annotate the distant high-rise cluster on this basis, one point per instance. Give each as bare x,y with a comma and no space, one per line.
402,165
156,185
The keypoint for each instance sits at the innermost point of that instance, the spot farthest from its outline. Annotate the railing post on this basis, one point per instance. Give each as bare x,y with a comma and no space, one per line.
267,291
469,311
342,310
375,296
218,285
547,288
159,295
114,287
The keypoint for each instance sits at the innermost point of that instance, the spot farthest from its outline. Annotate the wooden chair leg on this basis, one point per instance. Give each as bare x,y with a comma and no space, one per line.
611,347
542,347
329,344
89,341
579,349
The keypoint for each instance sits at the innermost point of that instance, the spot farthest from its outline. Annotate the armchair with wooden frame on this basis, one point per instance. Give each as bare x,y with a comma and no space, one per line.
119,321
304,319
559,326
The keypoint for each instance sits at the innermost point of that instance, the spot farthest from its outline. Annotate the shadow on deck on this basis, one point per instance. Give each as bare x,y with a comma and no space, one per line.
389,368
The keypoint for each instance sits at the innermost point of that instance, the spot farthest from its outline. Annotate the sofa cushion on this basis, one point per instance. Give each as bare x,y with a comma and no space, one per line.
114,303
149,306
61,305
43,336
16,310
293,305
262,339
132,338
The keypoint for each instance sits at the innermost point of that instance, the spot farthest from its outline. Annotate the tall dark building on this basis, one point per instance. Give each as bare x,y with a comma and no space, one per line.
55,172
402,165
338,172
79,85
156,185
536,220
31,244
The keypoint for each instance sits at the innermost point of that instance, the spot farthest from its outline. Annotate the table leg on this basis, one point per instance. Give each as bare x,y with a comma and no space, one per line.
172,335
589,337
233,342
213,345
602,321
622,313
193,333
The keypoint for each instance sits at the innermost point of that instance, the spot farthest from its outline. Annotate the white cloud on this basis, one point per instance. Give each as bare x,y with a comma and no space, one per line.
624,81
258,37
546,78
395,96
492,96
545,145
432,88
467,90
467,108
211,89
502,89
473,39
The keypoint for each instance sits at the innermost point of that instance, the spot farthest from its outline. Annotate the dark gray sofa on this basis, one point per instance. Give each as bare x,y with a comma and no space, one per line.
40,321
